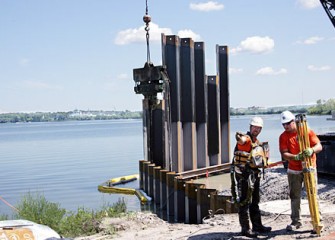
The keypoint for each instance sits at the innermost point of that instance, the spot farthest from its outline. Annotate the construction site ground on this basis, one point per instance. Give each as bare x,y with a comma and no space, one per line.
275,207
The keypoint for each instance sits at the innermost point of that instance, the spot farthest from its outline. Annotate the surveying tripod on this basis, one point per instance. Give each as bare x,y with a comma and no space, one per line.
309,173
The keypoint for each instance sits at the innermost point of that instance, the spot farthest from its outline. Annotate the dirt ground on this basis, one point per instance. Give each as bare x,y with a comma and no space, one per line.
147,225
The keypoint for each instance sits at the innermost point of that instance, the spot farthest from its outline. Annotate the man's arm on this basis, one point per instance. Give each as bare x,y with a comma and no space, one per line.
317,148
286,155
240,138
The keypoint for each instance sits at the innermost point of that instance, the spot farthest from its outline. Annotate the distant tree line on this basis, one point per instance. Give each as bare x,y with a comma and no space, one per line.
77,115
322,107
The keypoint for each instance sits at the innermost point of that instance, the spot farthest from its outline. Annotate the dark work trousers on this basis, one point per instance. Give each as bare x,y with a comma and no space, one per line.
248,181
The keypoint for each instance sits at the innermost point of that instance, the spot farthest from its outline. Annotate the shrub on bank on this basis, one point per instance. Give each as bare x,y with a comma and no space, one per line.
83,222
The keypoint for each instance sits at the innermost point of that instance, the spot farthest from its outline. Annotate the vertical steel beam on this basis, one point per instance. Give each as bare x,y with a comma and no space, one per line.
179,200
146,128
142,172
204,203
200,80
154,131
222,69
188,103
163,193
171,59
213,128
146,176
191,205
150,191
157,138
170,195
156,195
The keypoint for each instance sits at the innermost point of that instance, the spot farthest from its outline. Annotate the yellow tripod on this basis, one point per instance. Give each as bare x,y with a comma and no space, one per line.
309,173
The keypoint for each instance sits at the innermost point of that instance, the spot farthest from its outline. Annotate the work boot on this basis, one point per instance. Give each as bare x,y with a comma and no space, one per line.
262,229
249,233
293,226
257,225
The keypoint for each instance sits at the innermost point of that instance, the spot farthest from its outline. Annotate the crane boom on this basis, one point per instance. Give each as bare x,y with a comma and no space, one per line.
329,6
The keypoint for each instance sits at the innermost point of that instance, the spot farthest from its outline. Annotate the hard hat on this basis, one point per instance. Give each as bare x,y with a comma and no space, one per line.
286,117
256,121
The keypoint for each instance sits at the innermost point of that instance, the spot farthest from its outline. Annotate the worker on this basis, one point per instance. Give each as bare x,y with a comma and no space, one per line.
246,181
290,151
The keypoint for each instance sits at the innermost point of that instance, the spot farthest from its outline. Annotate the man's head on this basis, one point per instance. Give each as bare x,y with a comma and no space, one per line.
256,125
287,120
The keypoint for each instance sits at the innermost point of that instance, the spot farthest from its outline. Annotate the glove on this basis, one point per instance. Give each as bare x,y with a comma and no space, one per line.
299,156
238,136
308,152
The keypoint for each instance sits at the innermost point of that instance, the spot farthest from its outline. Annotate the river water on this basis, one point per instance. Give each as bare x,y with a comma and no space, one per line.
66,161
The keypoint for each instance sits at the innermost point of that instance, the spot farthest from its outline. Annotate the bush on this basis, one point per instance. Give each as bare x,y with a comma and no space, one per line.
35,208
3,217
84,222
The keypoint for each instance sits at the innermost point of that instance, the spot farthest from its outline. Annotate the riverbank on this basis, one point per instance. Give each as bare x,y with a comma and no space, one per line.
147,225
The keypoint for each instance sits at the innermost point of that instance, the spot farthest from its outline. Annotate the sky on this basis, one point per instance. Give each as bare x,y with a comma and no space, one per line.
62,55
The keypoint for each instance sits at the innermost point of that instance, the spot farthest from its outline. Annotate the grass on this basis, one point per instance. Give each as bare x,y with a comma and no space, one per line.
83,222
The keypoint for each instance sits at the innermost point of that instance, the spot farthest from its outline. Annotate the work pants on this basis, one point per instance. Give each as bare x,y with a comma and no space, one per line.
295,183
248,181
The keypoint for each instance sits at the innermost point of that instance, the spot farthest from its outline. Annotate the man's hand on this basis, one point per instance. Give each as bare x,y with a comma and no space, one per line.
299,156
238,136
308,152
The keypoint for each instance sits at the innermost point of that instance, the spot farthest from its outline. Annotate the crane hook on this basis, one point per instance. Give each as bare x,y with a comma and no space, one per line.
147,20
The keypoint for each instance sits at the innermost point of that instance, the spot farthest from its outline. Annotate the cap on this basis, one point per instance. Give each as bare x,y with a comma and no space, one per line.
256,121
286,117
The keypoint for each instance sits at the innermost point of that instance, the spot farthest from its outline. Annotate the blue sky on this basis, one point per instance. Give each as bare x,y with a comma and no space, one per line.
61,55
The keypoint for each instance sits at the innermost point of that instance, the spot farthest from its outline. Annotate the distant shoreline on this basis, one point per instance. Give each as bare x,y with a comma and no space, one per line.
326,108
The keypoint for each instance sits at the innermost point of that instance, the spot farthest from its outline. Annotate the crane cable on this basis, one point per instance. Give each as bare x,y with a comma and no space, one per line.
147,20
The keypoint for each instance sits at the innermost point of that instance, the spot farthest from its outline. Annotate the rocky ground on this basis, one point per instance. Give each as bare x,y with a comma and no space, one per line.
146,225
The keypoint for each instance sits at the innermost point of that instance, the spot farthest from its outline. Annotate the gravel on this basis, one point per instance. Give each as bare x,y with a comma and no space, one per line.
147,225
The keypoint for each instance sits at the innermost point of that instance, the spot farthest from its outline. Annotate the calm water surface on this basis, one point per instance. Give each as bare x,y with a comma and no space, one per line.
66,161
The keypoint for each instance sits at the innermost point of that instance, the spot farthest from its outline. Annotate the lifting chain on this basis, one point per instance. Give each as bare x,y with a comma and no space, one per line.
147,20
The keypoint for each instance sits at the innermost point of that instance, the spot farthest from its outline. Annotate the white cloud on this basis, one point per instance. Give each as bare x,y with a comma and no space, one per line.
123,76
24,62
206,6
270,71
40,85
318,69
309,4
187,33
311,40
139,35
235,70
255,44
